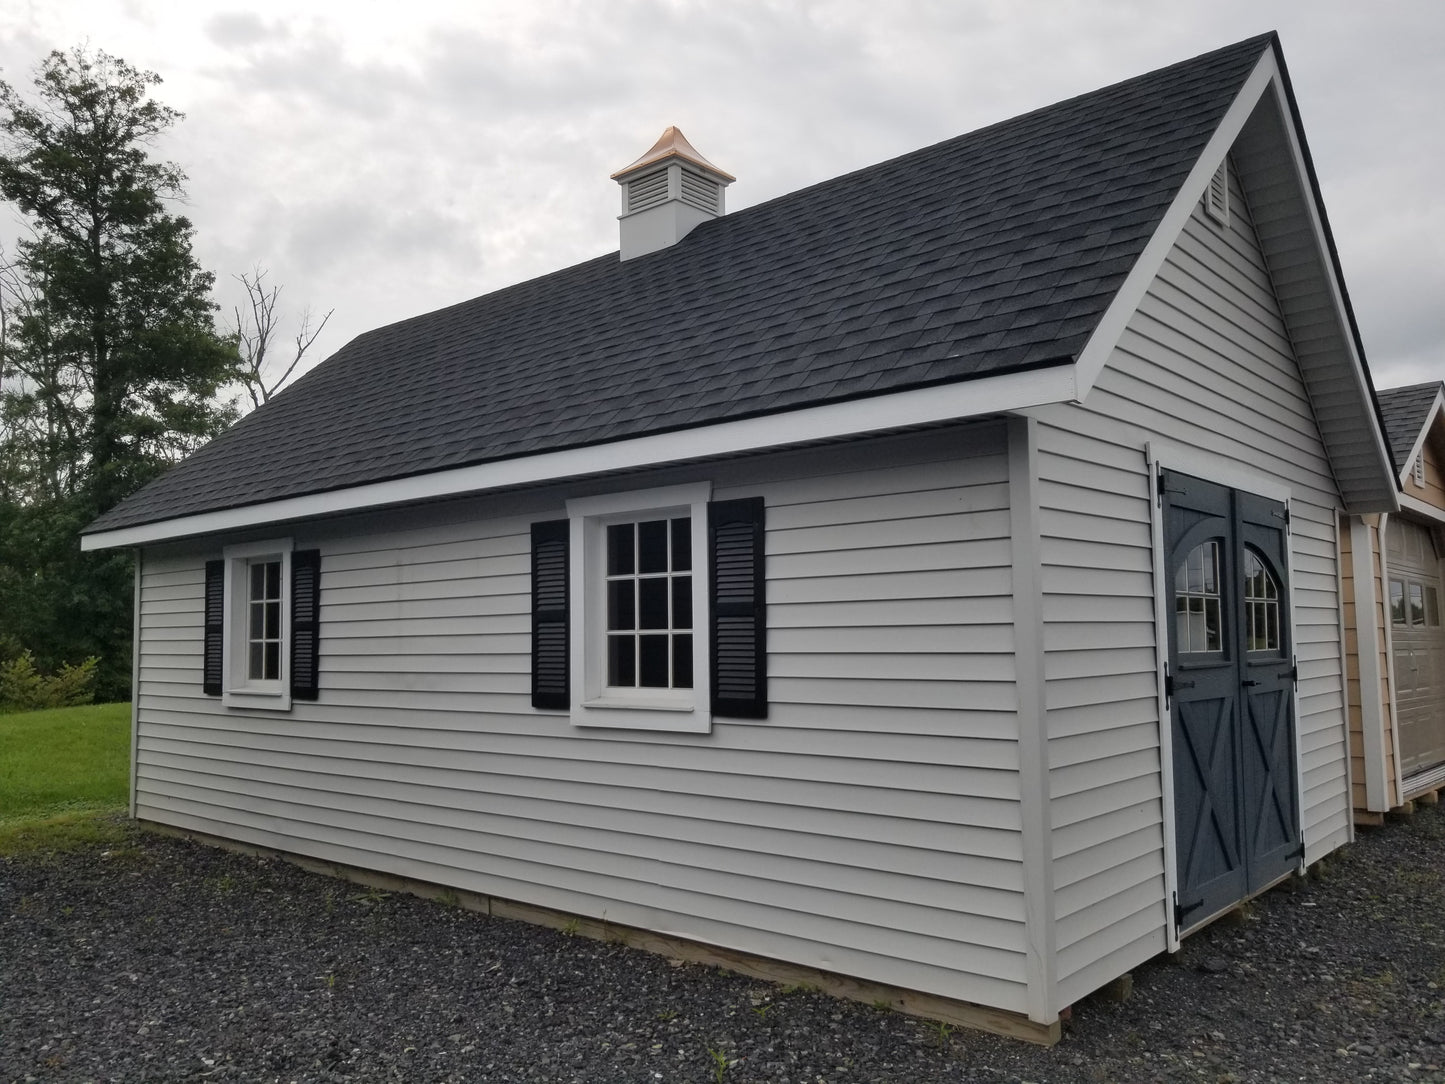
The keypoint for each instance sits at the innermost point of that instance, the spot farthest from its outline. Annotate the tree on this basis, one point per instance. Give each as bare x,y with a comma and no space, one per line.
255,332
111,358
121,310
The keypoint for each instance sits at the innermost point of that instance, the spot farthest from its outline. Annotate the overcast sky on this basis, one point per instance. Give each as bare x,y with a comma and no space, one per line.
385,159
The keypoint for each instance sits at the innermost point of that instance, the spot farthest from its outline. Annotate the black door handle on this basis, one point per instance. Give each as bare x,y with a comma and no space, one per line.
1249,684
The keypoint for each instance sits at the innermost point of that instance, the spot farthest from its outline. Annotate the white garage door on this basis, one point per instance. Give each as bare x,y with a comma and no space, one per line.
1418,639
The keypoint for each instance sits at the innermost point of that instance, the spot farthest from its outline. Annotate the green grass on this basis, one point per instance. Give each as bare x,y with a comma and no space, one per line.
87,830
63,761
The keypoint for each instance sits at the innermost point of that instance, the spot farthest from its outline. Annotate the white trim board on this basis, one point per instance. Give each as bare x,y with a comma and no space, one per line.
1166,719
1421,508
1209,467
1367,648
1036,825
920,406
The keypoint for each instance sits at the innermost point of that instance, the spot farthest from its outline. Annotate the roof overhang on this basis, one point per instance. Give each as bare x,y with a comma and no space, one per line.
854,417
1263,132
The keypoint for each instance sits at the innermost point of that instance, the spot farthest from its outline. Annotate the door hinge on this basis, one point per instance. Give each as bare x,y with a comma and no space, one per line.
1298,852
1284,515
1170,684
1180,912
1161,487
1292,673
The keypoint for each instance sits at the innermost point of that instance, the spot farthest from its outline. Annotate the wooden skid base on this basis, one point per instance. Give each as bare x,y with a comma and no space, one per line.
911,1002
1366,819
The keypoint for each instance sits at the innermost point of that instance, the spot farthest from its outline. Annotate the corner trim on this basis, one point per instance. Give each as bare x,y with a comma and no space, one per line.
139,557
1040,941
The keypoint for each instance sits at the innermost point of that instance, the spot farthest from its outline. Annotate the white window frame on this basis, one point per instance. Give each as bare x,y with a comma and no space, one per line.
237,689
594,703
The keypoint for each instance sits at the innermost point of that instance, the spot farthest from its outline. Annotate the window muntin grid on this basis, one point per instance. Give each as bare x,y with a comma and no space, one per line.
1413,603
1261,606
263,620
649,604
1197,603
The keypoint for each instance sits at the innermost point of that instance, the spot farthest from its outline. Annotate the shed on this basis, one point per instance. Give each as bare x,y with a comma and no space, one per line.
1393,595
928,577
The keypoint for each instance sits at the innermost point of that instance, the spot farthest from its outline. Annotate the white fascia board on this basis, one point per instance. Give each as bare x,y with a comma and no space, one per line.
856,417
1384,460
1108,331
1422,508
1418,447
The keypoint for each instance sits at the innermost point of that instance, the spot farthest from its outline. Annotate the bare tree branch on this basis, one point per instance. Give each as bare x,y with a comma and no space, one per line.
256,330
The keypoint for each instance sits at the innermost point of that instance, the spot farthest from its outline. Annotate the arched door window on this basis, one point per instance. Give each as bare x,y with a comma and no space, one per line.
1261,605
1197,606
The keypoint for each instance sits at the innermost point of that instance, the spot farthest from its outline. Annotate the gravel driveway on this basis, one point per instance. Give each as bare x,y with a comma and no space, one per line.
164,960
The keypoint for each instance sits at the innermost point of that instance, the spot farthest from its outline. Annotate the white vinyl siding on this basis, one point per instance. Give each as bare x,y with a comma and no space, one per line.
869,825
1205,363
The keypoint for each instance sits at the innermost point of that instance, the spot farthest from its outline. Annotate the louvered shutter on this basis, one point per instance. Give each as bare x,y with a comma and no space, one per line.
739,656
550,661
215,621
305,624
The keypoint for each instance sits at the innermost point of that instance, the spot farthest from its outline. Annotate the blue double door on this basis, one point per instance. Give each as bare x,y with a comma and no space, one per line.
1230,686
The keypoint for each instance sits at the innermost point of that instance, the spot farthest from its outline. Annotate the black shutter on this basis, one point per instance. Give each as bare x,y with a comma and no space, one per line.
305,623
215,628
739,609
550,661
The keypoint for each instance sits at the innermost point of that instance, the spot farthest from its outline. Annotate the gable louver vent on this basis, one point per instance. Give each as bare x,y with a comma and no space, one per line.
666,194
1216,196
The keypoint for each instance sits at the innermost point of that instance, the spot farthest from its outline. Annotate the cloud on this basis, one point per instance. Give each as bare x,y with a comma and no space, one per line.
240,29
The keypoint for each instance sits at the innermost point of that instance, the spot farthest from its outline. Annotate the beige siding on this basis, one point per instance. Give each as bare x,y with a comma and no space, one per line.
1205,363
869,825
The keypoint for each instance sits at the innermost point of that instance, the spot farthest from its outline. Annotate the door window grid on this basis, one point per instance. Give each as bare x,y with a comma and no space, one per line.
1197,603
1413,603
263,620
1261,606
649,604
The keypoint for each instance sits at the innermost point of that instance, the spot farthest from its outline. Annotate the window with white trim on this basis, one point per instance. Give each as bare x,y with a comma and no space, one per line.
636,605
256,635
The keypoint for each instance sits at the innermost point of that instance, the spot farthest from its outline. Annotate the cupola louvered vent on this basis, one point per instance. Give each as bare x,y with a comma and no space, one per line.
1216,196
666,194
647,191
700,192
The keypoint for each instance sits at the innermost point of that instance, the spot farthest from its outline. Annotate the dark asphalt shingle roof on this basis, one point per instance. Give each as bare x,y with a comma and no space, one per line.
1403,410
993,252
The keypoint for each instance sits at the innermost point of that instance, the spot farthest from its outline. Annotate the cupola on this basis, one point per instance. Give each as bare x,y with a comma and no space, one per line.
666,193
